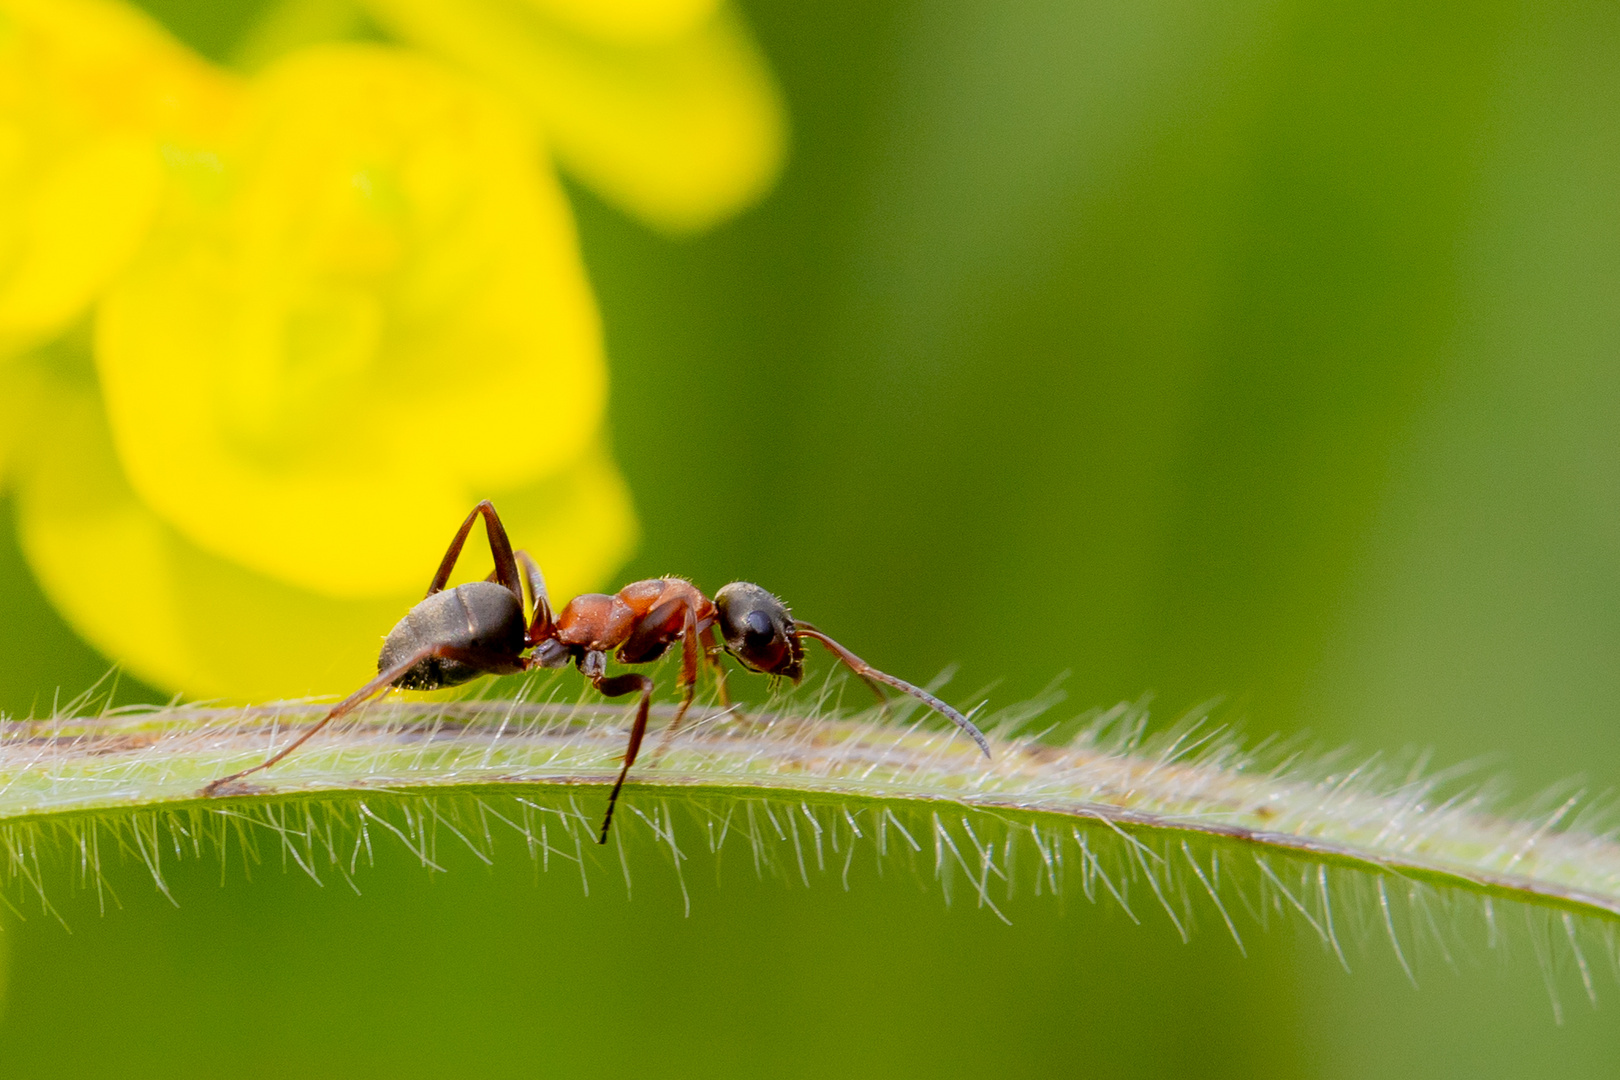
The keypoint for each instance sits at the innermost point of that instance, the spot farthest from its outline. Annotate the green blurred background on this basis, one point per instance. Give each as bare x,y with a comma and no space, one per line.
1264,350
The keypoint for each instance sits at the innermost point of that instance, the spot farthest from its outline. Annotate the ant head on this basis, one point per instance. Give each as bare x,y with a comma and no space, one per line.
759,631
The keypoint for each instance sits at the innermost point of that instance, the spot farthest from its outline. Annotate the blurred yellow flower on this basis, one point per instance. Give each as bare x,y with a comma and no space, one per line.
183,618
628,22
86,89
357,312
332,306
364,311
666,107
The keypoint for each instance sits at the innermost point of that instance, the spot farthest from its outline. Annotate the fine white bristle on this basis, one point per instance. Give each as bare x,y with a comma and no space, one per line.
1187,822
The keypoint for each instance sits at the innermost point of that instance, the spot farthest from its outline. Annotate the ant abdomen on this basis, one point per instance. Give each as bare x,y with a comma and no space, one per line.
480,617
758,630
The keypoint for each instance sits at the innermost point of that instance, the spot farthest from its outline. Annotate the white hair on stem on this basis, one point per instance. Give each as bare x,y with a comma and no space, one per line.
1200,826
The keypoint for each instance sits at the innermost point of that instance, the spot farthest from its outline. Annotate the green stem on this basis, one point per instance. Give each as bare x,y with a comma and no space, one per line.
1403,825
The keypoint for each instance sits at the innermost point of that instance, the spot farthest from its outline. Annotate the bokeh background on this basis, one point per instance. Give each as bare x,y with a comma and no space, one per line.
1265,351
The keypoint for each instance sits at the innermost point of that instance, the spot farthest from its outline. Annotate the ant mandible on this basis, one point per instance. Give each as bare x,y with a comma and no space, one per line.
455,635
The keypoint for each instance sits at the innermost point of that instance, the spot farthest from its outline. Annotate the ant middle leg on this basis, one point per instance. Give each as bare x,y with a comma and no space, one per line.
691,651
618,686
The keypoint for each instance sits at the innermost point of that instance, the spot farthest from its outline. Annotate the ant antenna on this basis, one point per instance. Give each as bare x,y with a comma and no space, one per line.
870,673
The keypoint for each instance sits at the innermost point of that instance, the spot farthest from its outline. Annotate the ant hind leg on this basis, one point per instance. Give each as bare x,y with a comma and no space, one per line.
378,685
500,548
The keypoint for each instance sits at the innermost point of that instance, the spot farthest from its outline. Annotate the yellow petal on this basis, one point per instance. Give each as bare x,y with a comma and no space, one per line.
681,132
628,22
77,68
88,92
181,618
79,225
361,315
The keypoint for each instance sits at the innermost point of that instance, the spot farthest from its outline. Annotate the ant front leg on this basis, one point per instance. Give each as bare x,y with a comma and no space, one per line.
712,651
618,686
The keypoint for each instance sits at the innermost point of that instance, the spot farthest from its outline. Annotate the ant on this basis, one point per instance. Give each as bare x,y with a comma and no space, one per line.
455,635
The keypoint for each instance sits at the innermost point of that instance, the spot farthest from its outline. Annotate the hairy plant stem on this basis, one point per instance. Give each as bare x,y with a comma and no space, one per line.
1180,783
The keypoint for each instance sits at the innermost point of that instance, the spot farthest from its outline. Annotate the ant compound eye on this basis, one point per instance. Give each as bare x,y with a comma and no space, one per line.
757,628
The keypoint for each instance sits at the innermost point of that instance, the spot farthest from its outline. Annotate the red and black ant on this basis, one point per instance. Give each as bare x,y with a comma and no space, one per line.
455,635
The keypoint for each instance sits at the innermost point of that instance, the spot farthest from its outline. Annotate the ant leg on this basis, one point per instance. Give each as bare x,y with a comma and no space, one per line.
376,686
359,697
870,673
541,622
382,682
691,648
617,686
506,571
712,652
715,653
